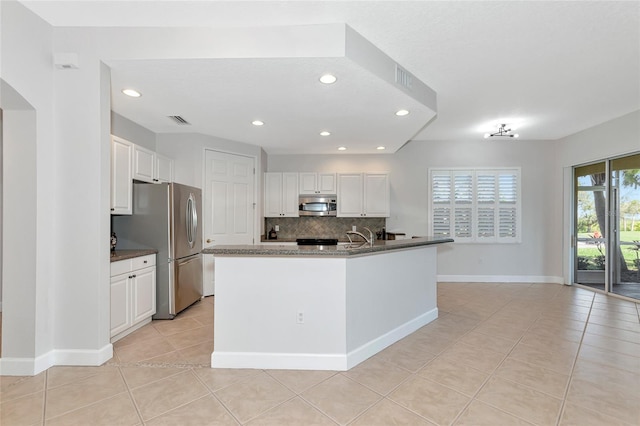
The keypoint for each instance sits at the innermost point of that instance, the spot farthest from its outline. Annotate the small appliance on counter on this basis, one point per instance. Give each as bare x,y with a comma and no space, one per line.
396,235
273,235
114,241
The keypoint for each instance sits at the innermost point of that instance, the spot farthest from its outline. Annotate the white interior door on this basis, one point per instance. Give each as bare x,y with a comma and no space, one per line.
229,206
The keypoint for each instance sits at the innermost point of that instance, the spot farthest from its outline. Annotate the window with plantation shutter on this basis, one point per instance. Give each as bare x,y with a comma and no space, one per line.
475,206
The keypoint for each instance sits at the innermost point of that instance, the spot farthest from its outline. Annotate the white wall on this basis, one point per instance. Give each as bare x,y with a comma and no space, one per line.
536,258
29,266
133,132
612,138
187,151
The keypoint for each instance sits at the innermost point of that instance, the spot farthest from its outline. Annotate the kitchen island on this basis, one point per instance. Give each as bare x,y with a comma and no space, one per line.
319,307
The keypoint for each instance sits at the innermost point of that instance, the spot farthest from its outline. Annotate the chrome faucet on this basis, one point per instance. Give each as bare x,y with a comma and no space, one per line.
366,240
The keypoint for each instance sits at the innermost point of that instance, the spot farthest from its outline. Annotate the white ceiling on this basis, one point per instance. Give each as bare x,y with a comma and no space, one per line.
549,68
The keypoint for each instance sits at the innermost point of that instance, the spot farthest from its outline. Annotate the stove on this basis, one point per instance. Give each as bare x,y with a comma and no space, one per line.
317,241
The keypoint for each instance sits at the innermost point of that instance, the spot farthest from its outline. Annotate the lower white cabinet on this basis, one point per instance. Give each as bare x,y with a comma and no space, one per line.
133,294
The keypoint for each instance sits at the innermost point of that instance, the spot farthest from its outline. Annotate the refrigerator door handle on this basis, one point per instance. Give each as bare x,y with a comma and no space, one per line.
194,221
191,220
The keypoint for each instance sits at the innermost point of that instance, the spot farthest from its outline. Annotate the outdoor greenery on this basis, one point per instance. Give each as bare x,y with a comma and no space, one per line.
592,256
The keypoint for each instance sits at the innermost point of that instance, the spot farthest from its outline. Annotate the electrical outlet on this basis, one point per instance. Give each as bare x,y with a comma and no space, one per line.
353,228
277,228
300,317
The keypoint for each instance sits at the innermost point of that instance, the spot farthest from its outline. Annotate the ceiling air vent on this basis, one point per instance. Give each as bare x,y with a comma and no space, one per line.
179,120
403,78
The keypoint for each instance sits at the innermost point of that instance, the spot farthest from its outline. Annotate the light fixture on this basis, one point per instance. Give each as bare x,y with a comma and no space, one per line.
132,93
257,123
502,131
328,79
381,148
325,133
342,148
402,112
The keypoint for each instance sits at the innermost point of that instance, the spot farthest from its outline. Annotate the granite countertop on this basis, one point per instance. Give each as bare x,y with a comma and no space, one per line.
341,250
117,255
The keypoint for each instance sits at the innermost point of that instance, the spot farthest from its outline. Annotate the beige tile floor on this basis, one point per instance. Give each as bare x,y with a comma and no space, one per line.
499,354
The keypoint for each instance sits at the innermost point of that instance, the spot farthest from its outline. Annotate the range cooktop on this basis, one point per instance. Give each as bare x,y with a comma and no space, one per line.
317,241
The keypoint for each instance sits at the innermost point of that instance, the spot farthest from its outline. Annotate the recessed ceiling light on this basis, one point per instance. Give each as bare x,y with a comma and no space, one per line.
328,79
402,112
131,92
325,133
342,148
257,123
381,148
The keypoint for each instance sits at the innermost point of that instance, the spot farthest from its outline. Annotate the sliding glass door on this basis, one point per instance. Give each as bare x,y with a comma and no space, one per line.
625,226
606,247
590,242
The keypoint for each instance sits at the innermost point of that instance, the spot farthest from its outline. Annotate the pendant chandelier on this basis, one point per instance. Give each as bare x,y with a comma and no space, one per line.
502,131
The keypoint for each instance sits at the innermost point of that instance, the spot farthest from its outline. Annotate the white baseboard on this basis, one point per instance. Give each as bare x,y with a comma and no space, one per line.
500,279
333,362
33,366
376,345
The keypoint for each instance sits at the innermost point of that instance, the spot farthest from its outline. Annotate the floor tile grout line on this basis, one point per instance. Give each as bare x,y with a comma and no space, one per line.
573,366
486,380
213,393
44,396
133,400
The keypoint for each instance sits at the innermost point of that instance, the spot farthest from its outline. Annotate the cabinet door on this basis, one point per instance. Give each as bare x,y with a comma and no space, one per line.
350,195
308,183
121,186
326,183
143,164
120,304
164,169
143,289
290,195
272,194
376,195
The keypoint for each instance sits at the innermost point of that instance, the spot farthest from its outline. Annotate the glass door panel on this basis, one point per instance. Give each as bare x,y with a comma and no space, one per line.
590,240
625,226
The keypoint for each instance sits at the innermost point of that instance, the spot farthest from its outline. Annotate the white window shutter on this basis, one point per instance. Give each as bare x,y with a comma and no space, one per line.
480,205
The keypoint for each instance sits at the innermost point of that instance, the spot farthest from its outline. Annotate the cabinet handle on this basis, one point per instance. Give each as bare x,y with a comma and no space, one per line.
209,240
130,276
112,209
134,275
144,261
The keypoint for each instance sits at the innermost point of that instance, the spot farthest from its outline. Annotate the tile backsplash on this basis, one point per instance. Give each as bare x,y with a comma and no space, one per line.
320,227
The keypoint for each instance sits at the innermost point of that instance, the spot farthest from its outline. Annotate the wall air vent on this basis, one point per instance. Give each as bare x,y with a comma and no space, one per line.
179,120
403,78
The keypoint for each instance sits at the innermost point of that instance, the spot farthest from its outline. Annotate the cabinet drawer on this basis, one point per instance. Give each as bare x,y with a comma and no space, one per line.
128,265
143,262
120,267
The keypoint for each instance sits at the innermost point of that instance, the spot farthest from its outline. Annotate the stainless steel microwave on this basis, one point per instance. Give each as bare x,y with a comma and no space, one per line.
317,205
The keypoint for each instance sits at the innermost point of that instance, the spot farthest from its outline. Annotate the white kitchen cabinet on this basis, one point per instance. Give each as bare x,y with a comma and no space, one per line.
317,183
281,194
133,294
164,168
121,158
151,167
363,195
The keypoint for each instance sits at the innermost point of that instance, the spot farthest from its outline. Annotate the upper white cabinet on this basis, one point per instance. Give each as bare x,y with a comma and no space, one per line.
164,168
151,167
363,195
121,158
317,183
281,194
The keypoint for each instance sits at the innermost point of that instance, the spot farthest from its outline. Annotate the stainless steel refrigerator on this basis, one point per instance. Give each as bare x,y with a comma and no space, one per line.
166,218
